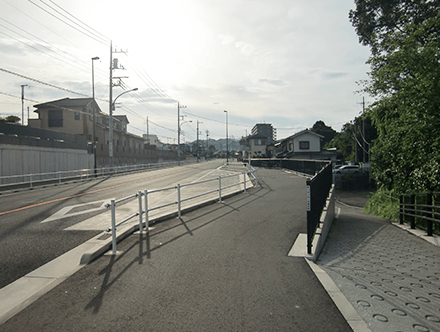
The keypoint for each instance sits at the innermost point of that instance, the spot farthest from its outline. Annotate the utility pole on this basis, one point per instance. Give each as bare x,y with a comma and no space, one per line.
148,133
207,142
363,129
113,65
22,103
355,140
198,145
94,114
110,112
178,132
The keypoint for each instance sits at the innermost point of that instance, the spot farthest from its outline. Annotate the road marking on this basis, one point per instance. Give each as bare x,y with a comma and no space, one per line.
64,198
64,212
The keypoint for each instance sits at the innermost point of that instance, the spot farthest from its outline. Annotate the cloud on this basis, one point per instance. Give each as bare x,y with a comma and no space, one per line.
335,75
276,82
226,39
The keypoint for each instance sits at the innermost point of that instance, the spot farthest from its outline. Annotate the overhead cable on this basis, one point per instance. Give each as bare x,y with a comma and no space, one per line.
41,82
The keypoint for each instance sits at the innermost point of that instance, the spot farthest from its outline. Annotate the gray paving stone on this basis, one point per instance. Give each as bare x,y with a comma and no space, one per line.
391,277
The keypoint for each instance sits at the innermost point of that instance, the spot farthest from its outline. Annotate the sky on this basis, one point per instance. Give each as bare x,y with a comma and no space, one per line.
285,62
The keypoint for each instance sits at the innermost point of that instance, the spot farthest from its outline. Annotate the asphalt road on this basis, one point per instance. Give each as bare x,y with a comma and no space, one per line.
34,230
223,267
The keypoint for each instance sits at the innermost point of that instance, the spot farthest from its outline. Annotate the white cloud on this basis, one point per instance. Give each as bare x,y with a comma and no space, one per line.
287,62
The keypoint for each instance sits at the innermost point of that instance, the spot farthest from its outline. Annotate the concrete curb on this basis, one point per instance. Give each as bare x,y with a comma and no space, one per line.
347,310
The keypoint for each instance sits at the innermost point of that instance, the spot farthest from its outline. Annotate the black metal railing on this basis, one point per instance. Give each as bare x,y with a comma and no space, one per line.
318,189
420,211
306,166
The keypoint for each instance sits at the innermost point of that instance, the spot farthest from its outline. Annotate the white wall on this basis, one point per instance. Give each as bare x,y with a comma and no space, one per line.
314,140
21,159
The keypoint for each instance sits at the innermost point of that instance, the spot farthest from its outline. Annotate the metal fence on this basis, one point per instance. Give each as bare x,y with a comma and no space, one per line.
318,189
144,207
30,180
420,210
306,166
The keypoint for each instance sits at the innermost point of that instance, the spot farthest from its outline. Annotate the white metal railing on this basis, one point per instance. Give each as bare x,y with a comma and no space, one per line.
30,180
250,175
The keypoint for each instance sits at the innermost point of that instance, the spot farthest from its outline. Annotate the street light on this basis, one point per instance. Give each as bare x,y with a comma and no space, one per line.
178,131
94,111
227,148
178,138
110,129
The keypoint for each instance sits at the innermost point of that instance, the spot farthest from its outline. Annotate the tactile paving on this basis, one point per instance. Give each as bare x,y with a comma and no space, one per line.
391,277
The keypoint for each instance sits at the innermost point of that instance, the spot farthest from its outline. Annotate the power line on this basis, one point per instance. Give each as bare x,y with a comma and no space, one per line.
150,82
97,32
75,60
41,82
84,33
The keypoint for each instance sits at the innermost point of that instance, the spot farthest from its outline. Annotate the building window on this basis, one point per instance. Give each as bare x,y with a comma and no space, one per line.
55,118
77,116
304,145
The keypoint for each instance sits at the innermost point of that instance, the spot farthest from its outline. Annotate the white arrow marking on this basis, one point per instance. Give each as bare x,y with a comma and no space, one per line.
64,212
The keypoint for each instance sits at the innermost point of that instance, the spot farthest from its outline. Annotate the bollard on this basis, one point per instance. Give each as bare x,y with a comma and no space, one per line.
146,211
178,201
140,211
219,189
244,181
113,209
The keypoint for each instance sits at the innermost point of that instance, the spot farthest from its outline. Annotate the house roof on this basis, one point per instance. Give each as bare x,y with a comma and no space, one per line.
66,102
121,118
302,132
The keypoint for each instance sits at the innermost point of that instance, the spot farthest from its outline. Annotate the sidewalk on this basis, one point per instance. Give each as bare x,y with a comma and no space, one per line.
390,276
223,267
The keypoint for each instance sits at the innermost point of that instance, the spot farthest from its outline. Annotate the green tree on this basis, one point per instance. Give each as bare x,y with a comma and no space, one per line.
322,129
405,80
10,118
376,21
344,142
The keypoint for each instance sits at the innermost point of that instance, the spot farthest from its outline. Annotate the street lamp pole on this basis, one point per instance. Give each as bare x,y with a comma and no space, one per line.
110,133
22,104
94,114
178,132
227,147
198,146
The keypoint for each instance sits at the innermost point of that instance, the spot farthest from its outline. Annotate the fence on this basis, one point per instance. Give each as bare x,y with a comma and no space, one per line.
306,166
30,180
420,210
318,189
144,207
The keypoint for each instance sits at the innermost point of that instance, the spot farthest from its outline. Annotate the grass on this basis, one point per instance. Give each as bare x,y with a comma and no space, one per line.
384,204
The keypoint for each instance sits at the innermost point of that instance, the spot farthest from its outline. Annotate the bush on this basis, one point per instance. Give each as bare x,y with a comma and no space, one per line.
384,204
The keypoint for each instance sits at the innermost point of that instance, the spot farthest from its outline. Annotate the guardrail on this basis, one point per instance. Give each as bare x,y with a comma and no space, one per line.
420,210
143,198
318,189
31,180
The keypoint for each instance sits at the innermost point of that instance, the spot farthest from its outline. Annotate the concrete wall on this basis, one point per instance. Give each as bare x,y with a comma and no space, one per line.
22,159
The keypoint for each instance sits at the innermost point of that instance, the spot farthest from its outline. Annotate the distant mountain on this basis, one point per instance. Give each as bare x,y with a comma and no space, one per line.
220,144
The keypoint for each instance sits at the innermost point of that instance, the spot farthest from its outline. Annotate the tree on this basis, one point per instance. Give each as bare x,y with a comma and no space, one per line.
321,128
405,80
10,118
376,21
346,140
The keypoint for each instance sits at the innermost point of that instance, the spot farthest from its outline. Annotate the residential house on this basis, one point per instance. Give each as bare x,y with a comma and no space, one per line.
259,143
303,145
82,116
